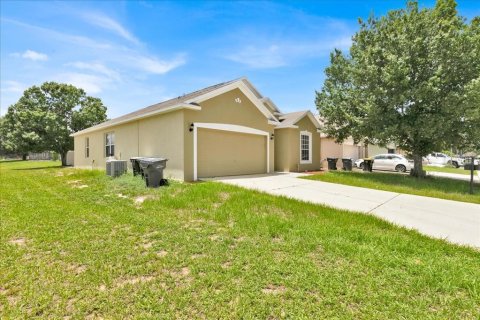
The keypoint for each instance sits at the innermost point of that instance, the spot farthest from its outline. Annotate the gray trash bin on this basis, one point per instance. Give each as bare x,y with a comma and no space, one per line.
332,163
153,170
136,165
368,165
347,164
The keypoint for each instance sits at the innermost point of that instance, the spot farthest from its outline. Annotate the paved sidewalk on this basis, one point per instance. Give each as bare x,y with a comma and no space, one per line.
457,222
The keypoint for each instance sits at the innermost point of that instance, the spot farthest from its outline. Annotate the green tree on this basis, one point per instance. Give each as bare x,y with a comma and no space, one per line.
406,80
45,117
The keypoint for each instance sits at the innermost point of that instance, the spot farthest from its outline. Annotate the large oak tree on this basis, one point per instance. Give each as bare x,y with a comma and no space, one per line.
410,78
44,118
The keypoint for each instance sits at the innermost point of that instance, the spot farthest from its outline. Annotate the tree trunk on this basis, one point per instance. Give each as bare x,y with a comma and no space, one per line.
24,156
417,170
63,156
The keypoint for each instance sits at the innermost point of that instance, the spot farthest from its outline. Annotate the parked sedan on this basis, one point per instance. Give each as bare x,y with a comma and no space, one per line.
389,161
441,159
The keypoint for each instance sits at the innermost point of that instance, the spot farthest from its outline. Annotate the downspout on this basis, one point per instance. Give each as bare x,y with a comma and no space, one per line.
138,138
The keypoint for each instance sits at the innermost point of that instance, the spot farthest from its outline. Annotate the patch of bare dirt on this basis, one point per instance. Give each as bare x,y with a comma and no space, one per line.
70,305
226,264
141,199
198,256
58,174
77,269
151,234
181,275
21,242
92,316
13,300
122,196
224,196
162,253
274,289
214,237
277,239
147,245
77,184
133,280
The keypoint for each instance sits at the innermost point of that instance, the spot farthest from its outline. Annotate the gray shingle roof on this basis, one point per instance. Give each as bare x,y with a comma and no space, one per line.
160,106
289,119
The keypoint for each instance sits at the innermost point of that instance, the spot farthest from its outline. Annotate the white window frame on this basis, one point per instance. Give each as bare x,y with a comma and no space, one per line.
109,145
87,147
309,134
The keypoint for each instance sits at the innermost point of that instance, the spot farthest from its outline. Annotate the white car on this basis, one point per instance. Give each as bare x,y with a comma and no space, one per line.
441,159
390,161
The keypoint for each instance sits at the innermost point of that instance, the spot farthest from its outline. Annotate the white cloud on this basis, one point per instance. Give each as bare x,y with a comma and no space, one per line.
96,67
274,46
121,56
12,86
31,55
60,36
108,23
259,57
92,84
280,54
155,65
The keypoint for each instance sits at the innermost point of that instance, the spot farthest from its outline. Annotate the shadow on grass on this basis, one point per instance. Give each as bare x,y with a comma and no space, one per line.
12,160
41,168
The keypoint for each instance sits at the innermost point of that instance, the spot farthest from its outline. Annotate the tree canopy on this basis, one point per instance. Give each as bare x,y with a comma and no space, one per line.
44,118
410,78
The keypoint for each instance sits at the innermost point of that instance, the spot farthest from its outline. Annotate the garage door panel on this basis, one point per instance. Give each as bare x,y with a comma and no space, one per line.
224,153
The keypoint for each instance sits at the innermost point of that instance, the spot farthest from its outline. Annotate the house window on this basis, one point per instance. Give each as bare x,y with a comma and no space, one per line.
87,147
305,147
391,150
110,144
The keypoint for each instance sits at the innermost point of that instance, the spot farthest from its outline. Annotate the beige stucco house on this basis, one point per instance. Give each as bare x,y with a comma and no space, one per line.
297,142
225,129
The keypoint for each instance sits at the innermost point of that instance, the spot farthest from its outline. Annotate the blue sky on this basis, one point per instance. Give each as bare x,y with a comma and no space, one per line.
133,54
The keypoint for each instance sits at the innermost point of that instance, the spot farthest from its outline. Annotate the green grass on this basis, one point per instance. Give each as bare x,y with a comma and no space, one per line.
73,243
448,170
435,187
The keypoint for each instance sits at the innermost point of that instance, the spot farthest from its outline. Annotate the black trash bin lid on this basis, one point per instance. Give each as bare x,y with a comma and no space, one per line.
152,160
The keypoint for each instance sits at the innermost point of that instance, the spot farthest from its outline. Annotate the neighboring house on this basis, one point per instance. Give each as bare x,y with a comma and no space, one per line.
348,149
330,149
225,129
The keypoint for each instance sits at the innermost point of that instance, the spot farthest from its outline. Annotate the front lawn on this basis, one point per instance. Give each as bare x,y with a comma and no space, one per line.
435,187
76,244
460,170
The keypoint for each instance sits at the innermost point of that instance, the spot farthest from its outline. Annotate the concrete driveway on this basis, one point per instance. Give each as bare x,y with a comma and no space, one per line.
456,222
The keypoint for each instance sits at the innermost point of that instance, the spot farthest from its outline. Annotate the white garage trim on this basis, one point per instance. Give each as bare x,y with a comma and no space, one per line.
225,127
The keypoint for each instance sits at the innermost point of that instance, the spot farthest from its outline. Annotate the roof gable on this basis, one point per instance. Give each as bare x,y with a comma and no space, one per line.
291,119
247,89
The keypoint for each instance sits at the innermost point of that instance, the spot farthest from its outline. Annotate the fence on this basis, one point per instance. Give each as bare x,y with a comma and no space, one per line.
47,155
